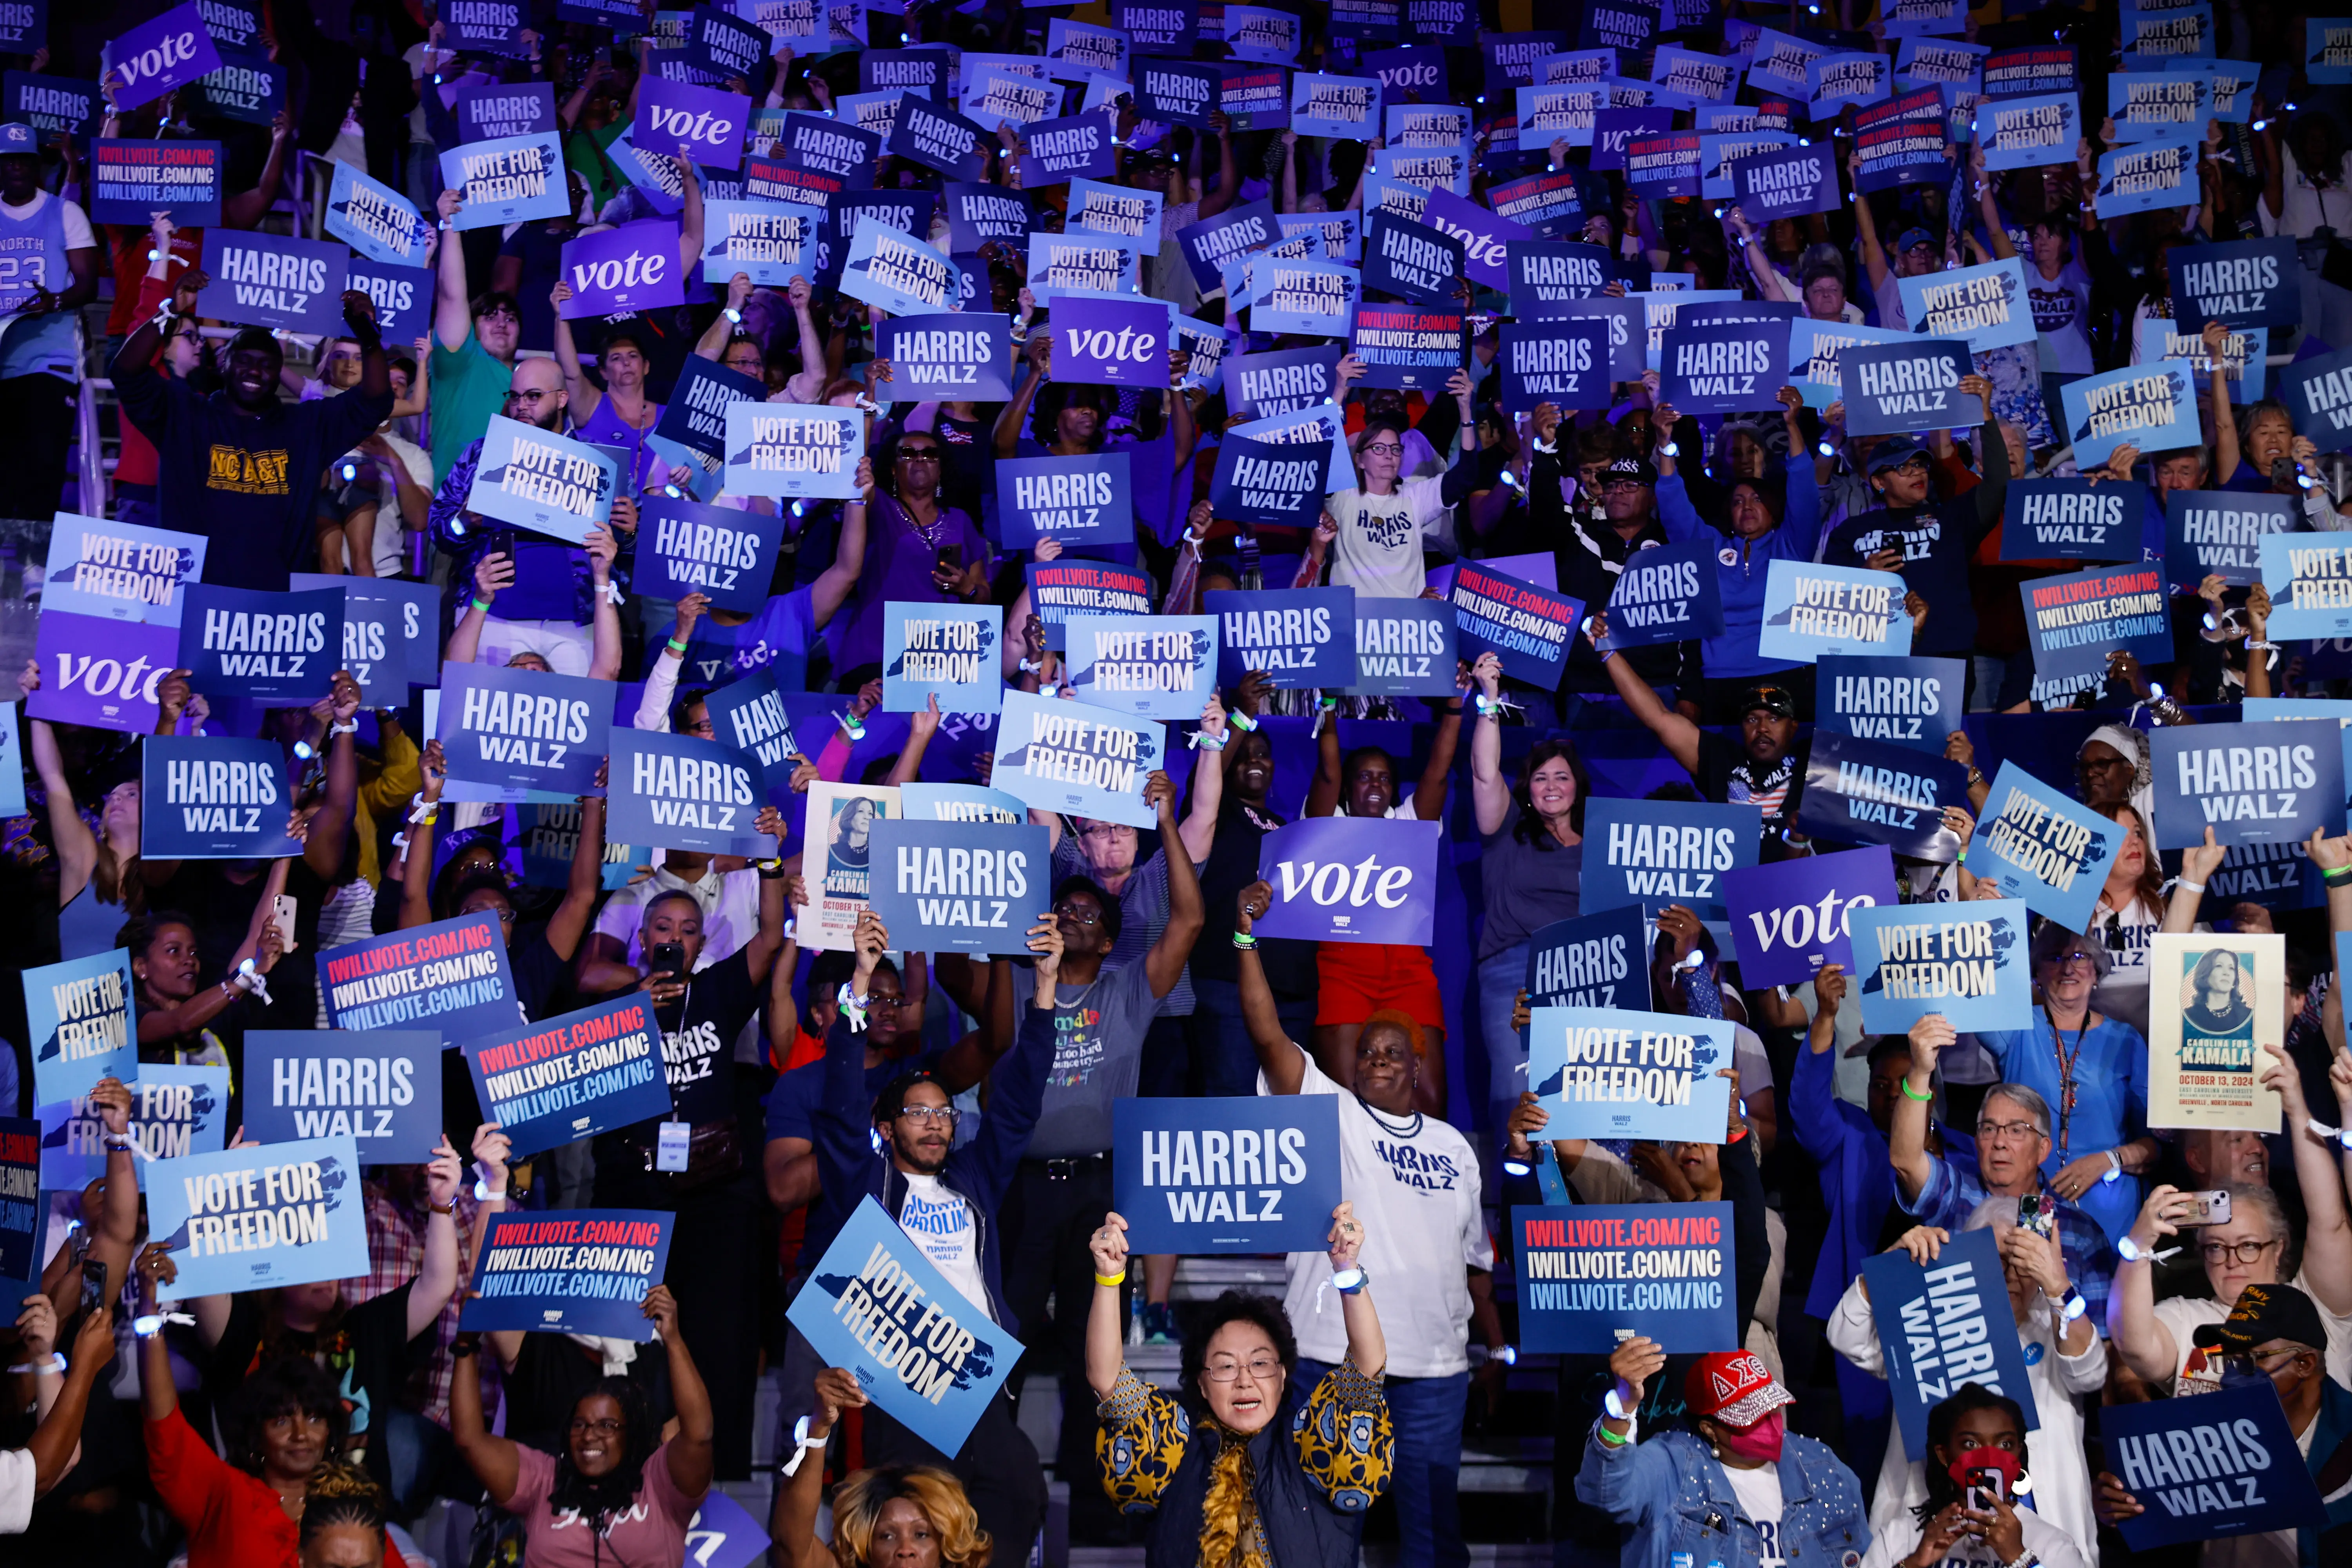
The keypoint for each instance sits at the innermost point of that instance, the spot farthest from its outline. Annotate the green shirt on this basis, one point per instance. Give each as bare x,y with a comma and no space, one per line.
466,387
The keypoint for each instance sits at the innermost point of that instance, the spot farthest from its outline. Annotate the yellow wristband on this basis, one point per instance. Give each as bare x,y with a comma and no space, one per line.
1110,1281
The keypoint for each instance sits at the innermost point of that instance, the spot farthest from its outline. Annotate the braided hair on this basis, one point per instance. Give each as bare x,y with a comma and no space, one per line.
597,1497
343,1495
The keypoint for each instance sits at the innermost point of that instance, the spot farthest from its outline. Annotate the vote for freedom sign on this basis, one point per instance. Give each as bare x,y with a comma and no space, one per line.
78,1016
515,179
1247,1173
1073,758
1945,1325
1611,1073
783,449
585,1272
259,1217
1352,879
2039,846
121,571
1811,609
542,481
1149,666
1965,961
1593,1273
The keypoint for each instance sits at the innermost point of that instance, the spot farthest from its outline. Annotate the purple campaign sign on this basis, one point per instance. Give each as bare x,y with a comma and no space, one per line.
103,672
710,122
1110,342
1348,879
1483,234
155,56
1614,129
1664,164
1790,918
495,110
614,271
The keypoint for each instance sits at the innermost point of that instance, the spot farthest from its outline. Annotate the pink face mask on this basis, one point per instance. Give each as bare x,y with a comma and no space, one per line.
1757,1444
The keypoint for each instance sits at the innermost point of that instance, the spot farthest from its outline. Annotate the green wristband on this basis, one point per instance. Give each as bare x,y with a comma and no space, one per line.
483,606
678,647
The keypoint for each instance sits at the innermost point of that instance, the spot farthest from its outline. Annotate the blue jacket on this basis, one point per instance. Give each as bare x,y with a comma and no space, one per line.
1740,574
1682,1508
1857,1179
852,1167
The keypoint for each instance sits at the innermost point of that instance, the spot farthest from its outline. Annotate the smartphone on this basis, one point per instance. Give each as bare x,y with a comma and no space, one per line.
2212,1207
667,958
282,917
952,557
93,1286
2036,1215
1984,1486
499,542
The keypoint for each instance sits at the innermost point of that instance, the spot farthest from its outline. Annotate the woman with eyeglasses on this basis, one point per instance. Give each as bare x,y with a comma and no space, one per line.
2131,909
919,550
1385,521
1235,1466
619,1492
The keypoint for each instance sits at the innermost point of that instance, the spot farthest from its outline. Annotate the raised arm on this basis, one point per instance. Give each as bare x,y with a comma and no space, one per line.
496,1461
1199,832
582,395
768,939
1278,1055
330,824
1165,963
1906,1138
1437,774
690,1452
416,877
245,209
453,310
712,344
689,233
1009,423
56,1443
801,1494
436,1276
1368,1347
1229,179
1106,1320
1677,733
76,846
1490,794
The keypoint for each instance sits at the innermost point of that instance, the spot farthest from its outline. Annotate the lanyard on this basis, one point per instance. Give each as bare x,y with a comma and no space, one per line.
2066,1064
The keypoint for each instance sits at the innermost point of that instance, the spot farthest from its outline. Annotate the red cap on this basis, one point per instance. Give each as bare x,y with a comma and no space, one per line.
1733,1387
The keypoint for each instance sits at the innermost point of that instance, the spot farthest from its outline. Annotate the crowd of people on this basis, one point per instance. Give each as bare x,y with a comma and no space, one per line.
343,1424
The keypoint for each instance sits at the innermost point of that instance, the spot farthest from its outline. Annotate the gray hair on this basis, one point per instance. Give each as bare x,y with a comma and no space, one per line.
2026,1099
2244,1198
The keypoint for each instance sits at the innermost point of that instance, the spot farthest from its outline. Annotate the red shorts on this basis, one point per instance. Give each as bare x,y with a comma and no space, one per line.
1357,981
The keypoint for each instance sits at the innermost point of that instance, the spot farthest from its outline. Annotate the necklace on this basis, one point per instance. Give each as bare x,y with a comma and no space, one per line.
2066,1062
1410,1130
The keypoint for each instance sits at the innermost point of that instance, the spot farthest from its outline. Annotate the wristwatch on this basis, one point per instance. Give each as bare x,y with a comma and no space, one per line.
1348,1281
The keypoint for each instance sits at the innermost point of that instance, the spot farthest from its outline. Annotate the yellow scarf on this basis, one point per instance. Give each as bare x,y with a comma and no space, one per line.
1232,1536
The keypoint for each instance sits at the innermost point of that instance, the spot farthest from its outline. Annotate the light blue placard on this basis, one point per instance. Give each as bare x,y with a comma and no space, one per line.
78,1016
1147,667
1560,112
793,449
1386,195
992,98
1925,60
121,571
1082,264
2043,847
768,242
1445,126
1909,18
1118,211
651,171
953,652
175,1110
12,762
959,803
1963,961
2158,33
1088,44
1834,80
900,274
1344,107
2309,577
1076,758
1603,1072
1316,298
2258,710
2153,105
1257,33
1814,351
2026,132
876,1306
512,180
2326,50
538,479
2158,171
1716,149
1811,609
1987,305
2233,88
1687,79
869,112
376,220
2150,407
1424,168
264,1216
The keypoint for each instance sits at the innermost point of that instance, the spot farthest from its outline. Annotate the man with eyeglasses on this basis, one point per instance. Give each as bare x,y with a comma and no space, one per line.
2273,1334
1927,538
1587,565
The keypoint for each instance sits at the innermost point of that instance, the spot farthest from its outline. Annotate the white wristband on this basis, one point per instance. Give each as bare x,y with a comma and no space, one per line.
2187,885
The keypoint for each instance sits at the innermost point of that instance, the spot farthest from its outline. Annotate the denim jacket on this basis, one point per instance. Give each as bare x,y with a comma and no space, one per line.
1681,1505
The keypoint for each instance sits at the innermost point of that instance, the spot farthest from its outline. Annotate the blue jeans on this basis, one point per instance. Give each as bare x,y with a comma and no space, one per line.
1426,1413
1221,1041
1499,981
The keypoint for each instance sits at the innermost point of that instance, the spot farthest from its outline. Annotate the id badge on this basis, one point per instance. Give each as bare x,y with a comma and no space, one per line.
669,1153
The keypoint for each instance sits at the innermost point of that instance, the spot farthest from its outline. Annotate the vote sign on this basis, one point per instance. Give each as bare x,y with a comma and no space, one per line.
1868,792
681,792
2275,782
633,266
1109,342
214,798
1894,388
2210,1469
708,123
1352,879
1790,918
1593,1273
1247,1173
270,648
379,1087
576,1271
960,887
260,1216
1077,759
1965,961
154,57
1301,637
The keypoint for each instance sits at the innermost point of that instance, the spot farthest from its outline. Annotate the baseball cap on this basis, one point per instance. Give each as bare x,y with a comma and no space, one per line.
16,139
1773,699
1896,453
1912,237
2263,1313
1733,1387
1637,469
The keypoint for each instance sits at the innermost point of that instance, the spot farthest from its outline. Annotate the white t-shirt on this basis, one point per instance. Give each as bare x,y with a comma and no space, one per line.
2182,1316
2052,1545
17,1473
1414,1182
1757,1492
1378,552
940,1219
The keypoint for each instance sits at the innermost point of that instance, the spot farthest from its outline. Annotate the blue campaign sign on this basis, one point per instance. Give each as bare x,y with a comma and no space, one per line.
78,1016
386,647
1721,152
1614,1073
175,1110
960,803
2070,520
1811,609
270,647
1343,107
1412,260
2266,783
12,763
695,417
2242,283
274,280
494,111
121,571
2210,1469
1527,626
2150,407
951,356
1178,93
548,835
898,273
1790,918
538,479
1892,389
722,1535
451,975
23,1216
1352,879
1150,666
1486,236
1115,210
1654,853
1283,381
1563,362
1404,647
952,652
1987,305
2327,50
1964,962
1078,759
381,1089
552,1083
684,547
960,887
1315,298
1302,637
1593,961
1944,1324
52,105
1255,1174
938,138
768,242
1723,367
584,1271
260,1216
2037,844
401,295
2319,393
1061,589
1912,703
1667,593
783,449
2074,622
374,220
1072,147
747,716
681,792
2026,132
131,180
524,729
1592,1274
721,44
2309,577
214,797
894,71
876,1306
1817,353
512,180
1868,792
24,29
1269,483
1836,79
1085,501
2158,171
1658,161
1210,243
